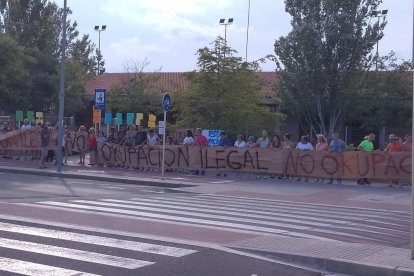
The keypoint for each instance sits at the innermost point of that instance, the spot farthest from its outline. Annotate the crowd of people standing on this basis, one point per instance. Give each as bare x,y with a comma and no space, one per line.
132,135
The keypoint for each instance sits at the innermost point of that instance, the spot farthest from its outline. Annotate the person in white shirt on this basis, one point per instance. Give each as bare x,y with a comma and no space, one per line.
25,126
239,142
304,144
152,138
264,140
189,139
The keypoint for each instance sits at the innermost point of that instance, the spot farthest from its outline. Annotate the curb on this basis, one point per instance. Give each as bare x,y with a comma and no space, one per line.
348,267
136,181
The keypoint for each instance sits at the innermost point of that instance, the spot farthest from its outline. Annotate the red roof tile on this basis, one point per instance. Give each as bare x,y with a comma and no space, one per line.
169,81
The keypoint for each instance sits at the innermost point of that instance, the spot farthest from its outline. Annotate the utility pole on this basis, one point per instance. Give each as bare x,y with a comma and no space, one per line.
99,29
222,22
59,157
378,14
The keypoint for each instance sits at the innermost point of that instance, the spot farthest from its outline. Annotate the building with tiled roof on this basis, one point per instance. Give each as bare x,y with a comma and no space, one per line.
172,81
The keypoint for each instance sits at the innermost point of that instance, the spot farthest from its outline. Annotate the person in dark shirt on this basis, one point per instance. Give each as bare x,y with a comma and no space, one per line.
225,140
44,143
111,136
120,137
140,136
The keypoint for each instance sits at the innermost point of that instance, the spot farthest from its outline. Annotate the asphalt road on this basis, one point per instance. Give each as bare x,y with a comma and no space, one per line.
61,250
41,249
26,188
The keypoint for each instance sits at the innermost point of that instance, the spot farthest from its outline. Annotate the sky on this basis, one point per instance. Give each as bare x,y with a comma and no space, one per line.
168,33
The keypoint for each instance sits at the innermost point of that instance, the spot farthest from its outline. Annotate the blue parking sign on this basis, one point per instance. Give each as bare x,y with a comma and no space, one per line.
100,99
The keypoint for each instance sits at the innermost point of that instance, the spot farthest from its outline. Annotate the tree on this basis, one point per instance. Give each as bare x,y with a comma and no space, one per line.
44,81
383,99
35,25
76,99
323,55
223,93
101,62
138,92
82,50
13,75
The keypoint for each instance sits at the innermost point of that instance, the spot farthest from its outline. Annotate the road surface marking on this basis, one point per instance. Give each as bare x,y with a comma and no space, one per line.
312,205
306,207
221,182
253,227
210,208
97,240
230,216
71,206
112,187
275,212
191,213
73,254
34,269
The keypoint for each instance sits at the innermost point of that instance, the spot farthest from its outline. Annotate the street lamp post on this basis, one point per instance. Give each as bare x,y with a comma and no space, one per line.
59,154
412,154
378,14
99,29
248,26
223,22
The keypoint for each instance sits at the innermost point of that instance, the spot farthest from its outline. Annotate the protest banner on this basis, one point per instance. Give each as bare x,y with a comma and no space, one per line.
30,116
96,116
39,117
352,164
139,117
30,140
151,121
130,118
213,136
19,116
349,164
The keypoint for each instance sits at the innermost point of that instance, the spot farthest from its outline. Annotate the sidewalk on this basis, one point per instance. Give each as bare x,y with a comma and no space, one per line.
341,257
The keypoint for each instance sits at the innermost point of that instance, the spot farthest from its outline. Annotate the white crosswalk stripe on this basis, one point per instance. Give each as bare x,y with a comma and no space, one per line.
20,238
261,215
96,240
73,254
343,215
34,269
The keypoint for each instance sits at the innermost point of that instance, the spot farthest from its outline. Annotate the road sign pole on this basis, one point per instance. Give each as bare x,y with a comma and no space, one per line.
163,144
166,104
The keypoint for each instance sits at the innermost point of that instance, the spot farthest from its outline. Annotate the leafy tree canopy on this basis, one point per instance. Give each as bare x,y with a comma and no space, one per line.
13,75
139,92
224,93
382,98
330,44
34,29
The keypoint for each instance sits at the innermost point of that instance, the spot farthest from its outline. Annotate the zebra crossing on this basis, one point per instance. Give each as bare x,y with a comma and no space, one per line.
258,216
39,250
